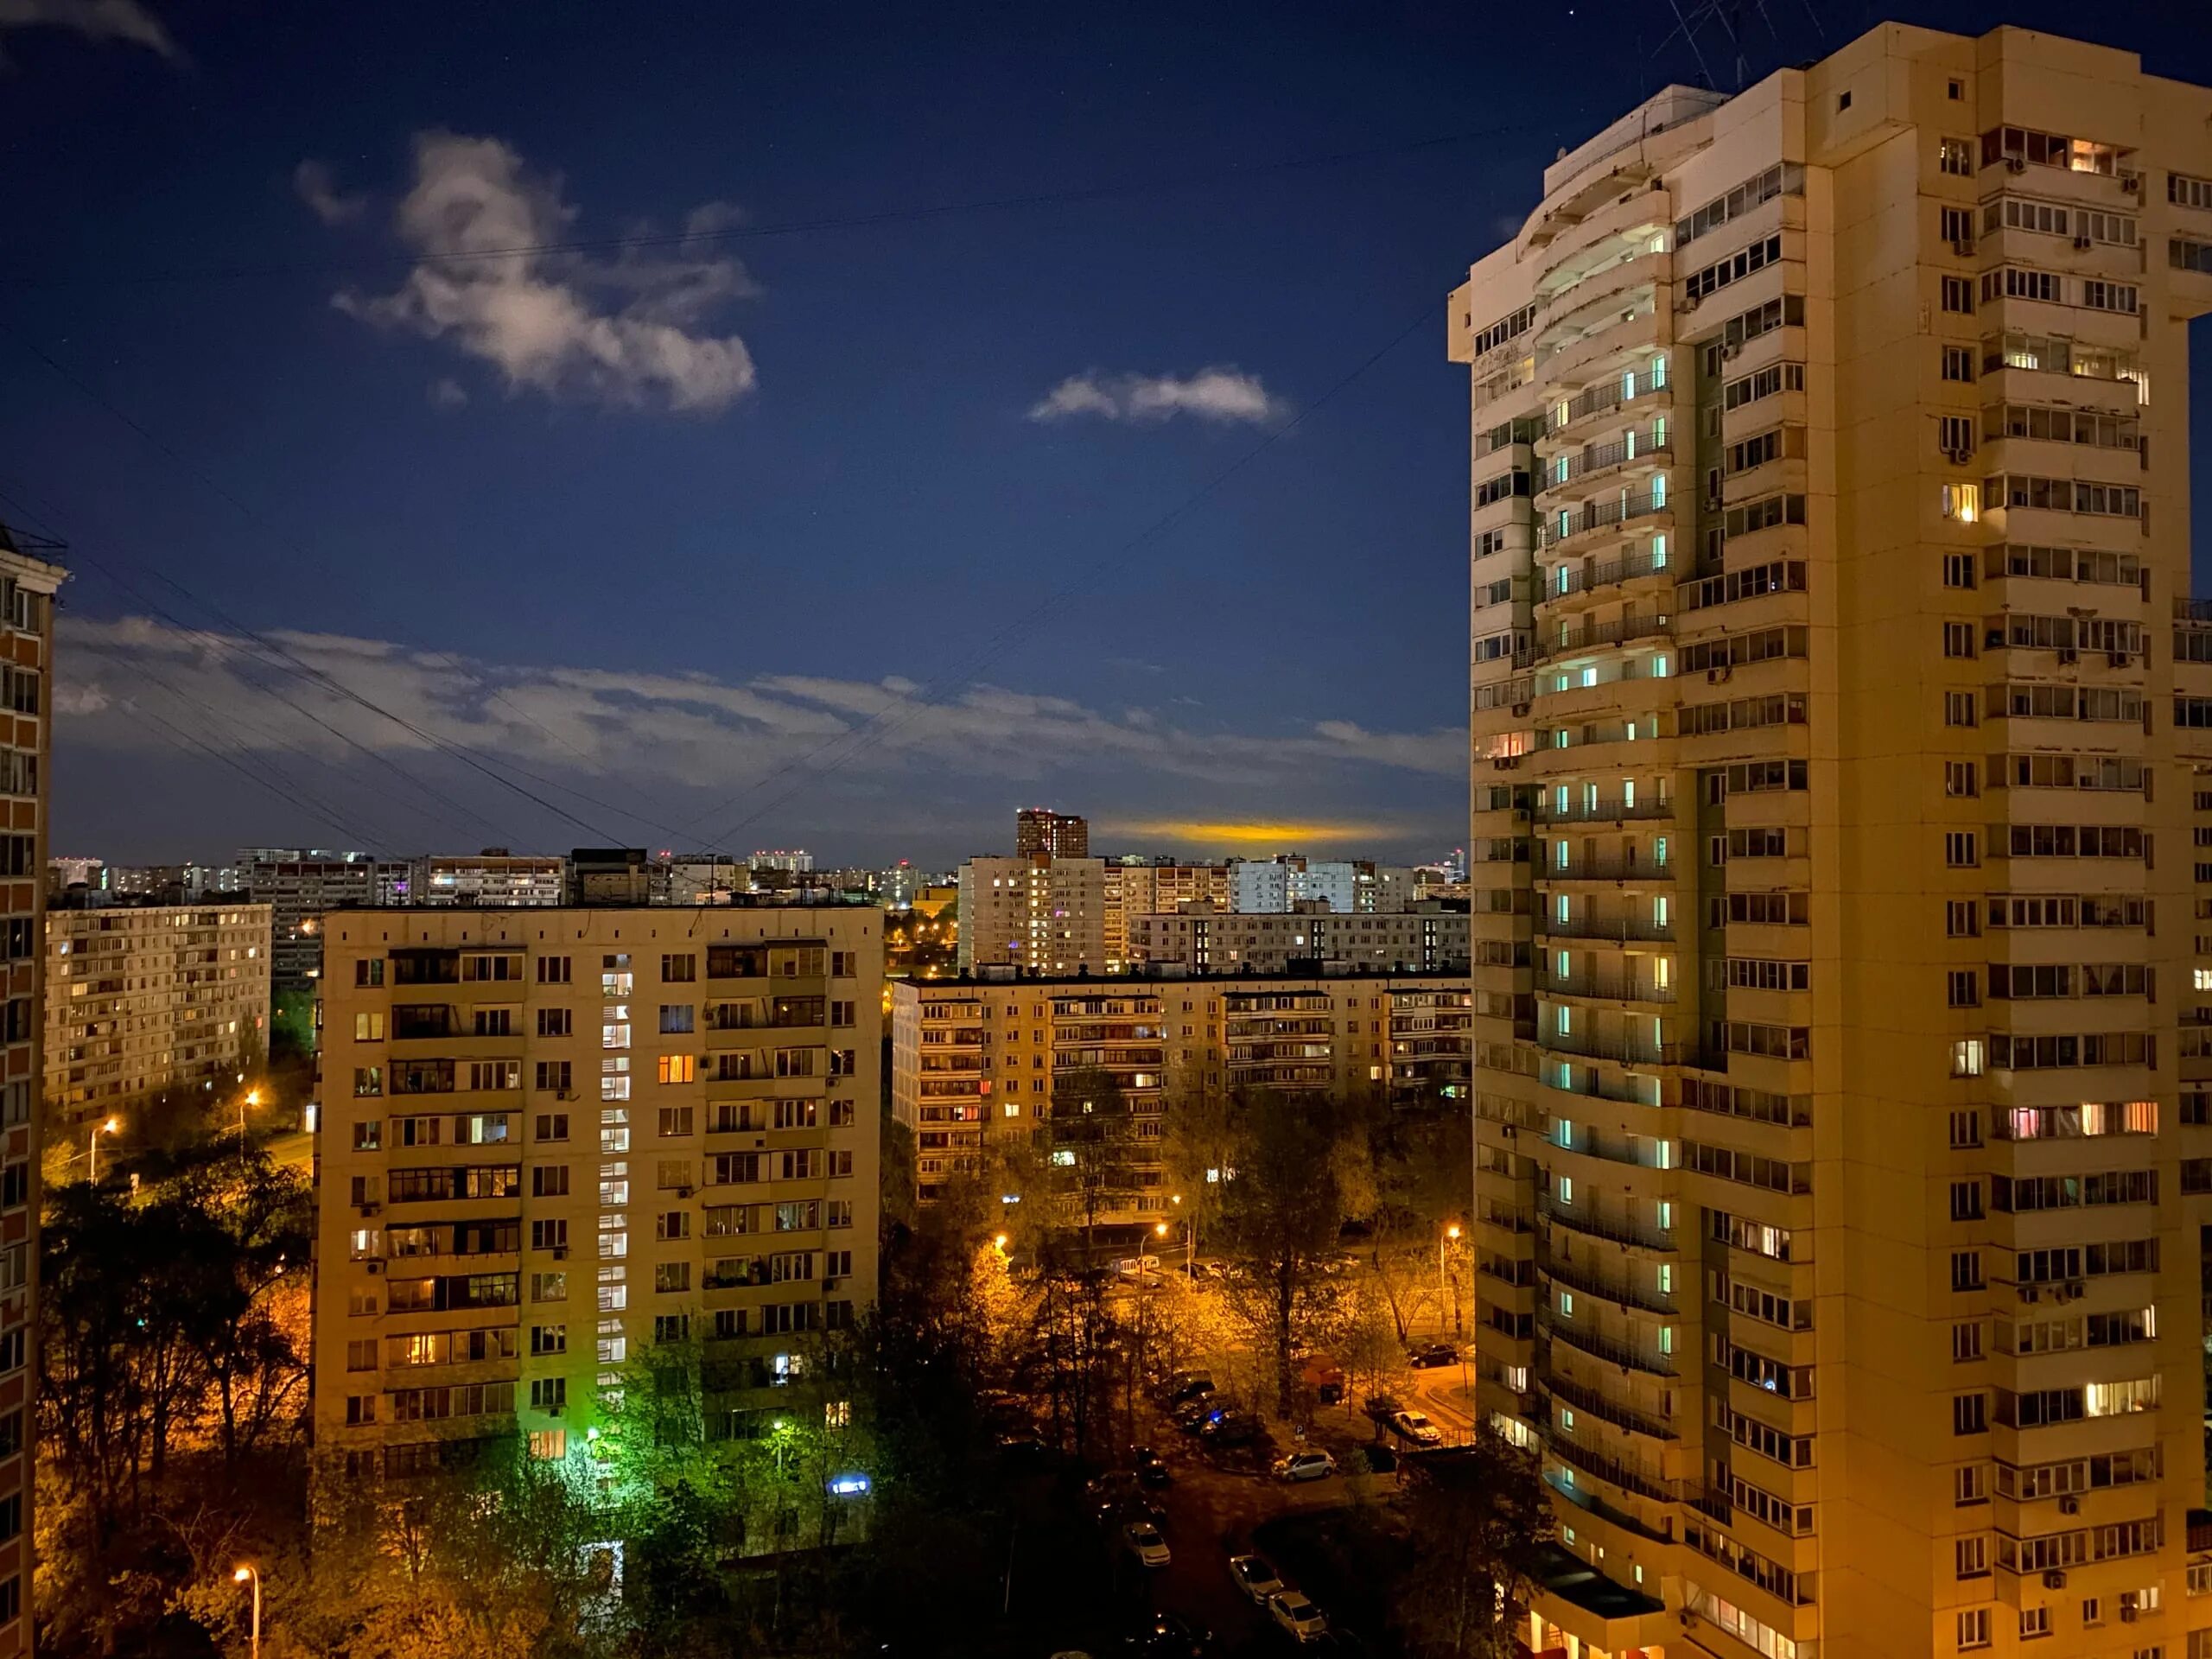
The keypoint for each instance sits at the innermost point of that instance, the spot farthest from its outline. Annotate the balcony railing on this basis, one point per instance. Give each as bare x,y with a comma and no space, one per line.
1549,811
1568,523
1607,988
1566,641
1579,1218
1582,1398
1607,394
1605,1348
1604,457
1616,930
1606,866
1626,1047
1578,1276
1561,580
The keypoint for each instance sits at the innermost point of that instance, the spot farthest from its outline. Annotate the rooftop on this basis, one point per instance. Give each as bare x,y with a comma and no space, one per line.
1176,973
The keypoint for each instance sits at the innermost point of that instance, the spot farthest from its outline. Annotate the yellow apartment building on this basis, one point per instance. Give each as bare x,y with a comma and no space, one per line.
1838,1181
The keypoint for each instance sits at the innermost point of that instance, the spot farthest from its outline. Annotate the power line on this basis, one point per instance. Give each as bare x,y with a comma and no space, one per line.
786,227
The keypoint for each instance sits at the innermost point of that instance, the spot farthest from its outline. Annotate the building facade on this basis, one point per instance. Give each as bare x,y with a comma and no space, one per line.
1429,940
1275,886
1147,886
145,999
552,1138
975,1061
1040,832
1042,915
494,876
1837,1252
298,885
28,576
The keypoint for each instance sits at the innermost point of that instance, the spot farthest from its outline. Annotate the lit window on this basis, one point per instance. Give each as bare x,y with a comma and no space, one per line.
1962,502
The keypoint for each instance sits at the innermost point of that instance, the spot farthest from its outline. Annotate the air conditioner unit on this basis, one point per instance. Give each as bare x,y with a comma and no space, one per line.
2069,1504
2132,184
2082,242
371,1210
2055,1579
2016,164
2116,658
2068,654
683,1192
1520,709
1731,351
374,1266
564,1094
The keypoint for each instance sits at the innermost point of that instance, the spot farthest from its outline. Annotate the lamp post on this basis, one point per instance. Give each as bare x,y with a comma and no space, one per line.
1190,1240
1443,1290
244,1574
252,1097
93,1147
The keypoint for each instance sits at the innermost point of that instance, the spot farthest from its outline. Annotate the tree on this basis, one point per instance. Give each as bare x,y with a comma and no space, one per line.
1281,1218
1481,1527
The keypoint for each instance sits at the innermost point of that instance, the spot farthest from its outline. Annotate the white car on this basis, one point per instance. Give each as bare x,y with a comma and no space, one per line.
1306,1466
1290,1609
1146,1543
1416,1426
1255,1577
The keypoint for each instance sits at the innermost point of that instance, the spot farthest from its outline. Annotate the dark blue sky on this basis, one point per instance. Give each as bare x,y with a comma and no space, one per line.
679,532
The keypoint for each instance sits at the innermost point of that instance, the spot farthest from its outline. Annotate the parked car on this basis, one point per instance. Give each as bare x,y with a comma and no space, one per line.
1151,1468
1230,1428
1433,1353
1380,1457
1306,1466
1145,1543
1191,1416
1290,1610
1170,1635
1255,1577
1416,1427
1382,1407
1188,1385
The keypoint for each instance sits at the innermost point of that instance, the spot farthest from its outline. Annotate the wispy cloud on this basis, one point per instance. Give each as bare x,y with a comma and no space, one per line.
632,331
447,392
1220,394
314,184
126,21
662,729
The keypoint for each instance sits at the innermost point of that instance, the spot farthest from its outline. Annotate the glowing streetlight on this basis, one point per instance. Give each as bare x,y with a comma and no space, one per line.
245,1574
93,1147
1001,1242
1159,1228
1451,1232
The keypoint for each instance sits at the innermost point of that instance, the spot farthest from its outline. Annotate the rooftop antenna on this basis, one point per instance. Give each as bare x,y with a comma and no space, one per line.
1694,19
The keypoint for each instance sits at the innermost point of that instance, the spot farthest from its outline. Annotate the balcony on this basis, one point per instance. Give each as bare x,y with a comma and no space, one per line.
1564,582
1582,1397
1643,1482
1605,987
1617,811
1577,1276
1610,930
1633,1234
1559,528
1613,1352
1567,642
1606,866
1624,1048
1607,395
1593,461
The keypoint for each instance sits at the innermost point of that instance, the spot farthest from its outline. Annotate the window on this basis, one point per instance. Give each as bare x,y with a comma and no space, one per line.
1956,224
1961,502
368,1080
550,1126
1964,988
553,971
1966,1127
368,1027
549,1181
1956,157
1961,848
1958,639
548,1235
2035,1621
679,969
676,1019
554,1075
370,971
1958,294
1955,435
1970,1484
1972,1557
1958,363
1959,570
1970,1413
1966,1270
1966,1056
553,1023
679,1068
1961,779
677,1120
1959,708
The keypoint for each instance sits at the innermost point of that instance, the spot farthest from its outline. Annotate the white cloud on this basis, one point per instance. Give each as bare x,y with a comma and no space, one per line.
629,332
446,392
100,20
661,730
314,184
1211,394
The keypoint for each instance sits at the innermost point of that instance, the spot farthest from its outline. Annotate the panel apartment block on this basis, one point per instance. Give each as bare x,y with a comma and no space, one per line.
551,1137
141,999
1837,1250
975,1060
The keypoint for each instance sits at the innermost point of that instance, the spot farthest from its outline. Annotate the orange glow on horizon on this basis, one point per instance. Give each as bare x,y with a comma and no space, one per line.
1287,835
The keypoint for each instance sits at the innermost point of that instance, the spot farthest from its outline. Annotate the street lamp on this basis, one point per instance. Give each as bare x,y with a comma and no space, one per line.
245,1574
1189,1239
93,1147
1443,1292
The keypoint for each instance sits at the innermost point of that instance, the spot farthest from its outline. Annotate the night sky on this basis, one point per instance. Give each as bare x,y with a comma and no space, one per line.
1049,408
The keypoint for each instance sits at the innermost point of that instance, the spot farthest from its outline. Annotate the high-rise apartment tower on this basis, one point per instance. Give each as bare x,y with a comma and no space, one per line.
1040,832
1838,1250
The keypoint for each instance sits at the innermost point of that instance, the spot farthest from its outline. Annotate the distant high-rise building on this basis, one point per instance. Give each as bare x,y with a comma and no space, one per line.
1278,885
1045,915
1430,939
705,878
622,876
65,871
144,998
299,885
1040,832
1144,886
28,575
1841,1160
494,876
796,861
